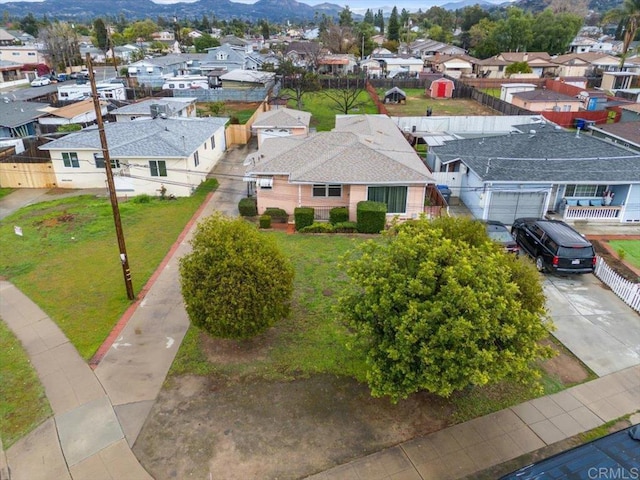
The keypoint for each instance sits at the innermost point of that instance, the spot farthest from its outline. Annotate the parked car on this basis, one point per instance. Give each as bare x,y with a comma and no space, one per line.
498,232
40,81
555,246
62,77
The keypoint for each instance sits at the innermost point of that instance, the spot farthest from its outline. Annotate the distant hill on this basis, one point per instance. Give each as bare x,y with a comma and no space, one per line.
467,3
272,10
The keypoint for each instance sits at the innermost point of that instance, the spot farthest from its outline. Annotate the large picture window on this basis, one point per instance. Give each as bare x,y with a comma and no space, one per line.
321,190
158,168
70,159
115,163
394,197
584,190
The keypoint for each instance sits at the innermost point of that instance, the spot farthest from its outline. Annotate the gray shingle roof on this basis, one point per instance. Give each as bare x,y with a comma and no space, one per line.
283,117
364,153
545,96
544,157
144,107
168,137
14,114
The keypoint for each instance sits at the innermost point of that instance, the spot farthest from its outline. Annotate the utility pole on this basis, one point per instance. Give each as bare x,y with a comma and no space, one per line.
111,185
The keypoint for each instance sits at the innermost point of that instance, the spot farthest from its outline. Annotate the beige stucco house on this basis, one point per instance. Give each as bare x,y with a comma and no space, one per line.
365,157
546,101
281,122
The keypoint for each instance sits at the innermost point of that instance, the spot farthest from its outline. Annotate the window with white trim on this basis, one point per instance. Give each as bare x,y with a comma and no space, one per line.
394,197
115,163
158,168
70,159
321,190
592,190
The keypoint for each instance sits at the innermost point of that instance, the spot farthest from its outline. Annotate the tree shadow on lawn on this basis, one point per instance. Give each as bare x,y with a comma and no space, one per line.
245,427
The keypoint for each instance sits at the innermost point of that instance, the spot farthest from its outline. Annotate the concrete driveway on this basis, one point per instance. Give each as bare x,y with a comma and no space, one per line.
592,322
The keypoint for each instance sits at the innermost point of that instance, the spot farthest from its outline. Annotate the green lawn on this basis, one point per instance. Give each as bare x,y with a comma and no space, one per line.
23,404
628,249
67,260
494,92
323,110
5,191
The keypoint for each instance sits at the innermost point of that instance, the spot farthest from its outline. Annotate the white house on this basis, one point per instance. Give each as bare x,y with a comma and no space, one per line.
150,108
145,155
81,113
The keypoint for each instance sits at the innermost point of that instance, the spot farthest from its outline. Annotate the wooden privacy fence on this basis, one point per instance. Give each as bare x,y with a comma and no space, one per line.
628,291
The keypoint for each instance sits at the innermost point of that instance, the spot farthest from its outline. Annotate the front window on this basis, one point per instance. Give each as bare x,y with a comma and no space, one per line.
196,159
158,168
327,190
394,197
70,159
115,163
585,190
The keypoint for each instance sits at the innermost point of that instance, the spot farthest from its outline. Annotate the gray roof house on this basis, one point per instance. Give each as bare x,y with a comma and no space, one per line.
151,71
365,157
20,119
281,122
175,152
230,57
545,170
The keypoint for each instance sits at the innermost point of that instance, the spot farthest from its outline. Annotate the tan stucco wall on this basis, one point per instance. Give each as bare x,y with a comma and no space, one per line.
547,106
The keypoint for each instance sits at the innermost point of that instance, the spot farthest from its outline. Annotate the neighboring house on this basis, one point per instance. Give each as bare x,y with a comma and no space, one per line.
303,54
529,174
80,113
371,67
626,134
247,79
97,55
612,81
281,122
581,45
124,53
508,89
11,74
230,57
545,101
365,157
23,54
6,38
151,71
630,112
151,108
176,153
425,48
337,64
164,37
573,65
392,66
541,64
455,66
19,119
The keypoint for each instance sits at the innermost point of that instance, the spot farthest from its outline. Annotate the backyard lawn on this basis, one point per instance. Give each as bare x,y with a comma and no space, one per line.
417,104
629,250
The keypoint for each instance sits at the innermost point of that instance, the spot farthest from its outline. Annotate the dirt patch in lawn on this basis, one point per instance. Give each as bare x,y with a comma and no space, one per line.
614,261
238,428
565,367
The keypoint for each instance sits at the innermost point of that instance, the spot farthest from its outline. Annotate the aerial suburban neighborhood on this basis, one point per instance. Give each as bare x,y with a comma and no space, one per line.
279,240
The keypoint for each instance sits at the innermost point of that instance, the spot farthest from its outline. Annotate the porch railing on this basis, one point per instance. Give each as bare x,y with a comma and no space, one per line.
593,213
321,213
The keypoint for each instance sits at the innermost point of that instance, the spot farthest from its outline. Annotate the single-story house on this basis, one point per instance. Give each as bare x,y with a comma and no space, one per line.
246,79
80,113
175,152
365,157
20,119
336,64
529,174
11,74
508,89
541,64
151,108
546,101
626,134
453,65
281,122
612,81
440,88
372,67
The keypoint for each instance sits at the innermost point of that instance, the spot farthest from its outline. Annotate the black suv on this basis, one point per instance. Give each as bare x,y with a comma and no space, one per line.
555,246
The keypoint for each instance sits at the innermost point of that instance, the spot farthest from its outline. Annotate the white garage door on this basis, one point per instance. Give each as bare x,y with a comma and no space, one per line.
507,206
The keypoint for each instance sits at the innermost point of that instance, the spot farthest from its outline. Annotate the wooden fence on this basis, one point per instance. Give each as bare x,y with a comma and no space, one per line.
628,291
463,90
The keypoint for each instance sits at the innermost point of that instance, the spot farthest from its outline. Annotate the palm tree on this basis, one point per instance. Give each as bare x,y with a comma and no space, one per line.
628,14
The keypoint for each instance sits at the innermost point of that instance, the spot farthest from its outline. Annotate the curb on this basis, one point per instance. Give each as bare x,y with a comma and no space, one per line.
117,329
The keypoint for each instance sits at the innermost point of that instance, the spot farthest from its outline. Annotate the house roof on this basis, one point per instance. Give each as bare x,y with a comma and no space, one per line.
14,114
362,149
282,117
544,96
170,137
632,107
144,106
252,76
629,131
544,156
463,60
74,109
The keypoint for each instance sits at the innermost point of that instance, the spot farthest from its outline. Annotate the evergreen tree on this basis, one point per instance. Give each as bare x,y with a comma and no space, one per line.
393,30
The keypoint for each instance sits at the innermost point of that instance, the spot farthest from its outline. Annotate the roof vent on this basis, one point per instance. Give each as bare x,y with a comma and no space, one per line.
532,132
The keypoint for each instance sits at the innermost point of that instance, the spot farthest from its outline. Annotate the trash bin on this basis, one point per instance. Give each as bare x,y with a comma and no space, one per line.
445,191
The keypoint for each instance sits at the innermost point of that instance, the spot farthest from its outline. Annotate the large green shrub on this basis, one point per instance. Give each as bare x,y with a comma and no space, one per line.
371,216
338,215
236,282
248,207
303,217
318,228
346,227
277,215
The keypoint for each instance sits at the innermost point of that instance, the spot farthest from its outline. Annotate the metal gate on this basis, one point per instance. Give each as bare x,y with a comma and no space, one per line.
505,207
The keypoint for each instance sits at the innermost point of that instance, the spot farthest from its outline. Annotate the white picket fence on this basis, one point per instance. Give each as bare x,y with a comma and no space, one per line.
628,291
